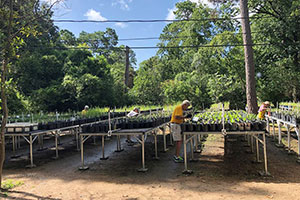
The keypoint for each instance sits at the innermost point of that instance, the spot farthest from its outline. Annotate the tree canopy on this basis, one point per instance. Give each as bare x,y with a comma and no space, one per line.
199,59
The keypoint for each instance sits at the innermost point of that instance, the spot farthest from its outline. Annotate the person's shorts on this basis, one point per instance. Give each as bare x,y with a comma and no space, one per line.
176,132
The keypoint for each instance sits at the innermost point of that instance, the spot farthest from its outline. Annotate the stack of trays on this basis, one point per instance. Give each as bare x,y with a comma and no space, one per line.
21,127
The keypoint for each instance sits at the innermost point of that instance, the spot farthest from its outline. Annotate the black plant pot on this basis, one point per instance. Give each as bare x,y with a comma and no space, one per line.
106,128
228,126
97,128
212,127
51,125
92,129
184,127
189,127
59,125
219,127
126,126
144,124
84,129
101,128
255,126
241,126
248,126
153,124
205,127
234,127
262,125
197,127
135,125
40,126
130,126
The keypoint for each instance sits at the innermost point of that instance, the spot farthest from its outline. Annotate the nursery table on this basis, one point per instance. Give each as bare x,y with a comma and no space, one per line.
140,135
189,136
31,136
288,125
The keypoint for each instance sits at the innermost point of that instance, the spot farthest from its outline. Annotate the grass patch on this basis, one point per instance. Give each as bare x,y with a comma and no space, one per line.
7,185
10,184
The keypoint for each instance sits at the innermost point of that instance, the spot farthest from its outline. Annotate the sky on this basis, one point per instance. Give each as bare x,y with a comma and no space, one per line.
119,10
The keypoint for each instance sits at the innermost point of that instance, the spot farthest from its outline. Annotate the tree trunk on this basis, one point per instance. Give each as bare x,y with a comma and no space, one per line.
6,55
249,60
4,116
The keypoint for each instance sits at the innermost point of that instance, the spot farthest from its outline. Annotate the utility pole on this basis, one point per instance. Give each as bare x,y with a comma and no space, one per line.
249,59
127,68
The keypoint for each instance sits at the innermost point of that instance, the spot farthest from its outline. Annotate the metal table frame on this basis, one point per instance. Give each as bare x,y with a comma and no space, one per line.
139,134
288,126
254,134
30,137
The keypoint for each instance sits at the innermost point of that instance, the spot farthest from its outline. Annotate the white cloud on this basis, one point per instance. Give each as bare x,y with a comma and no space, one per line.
91,14
124,4
120,24
171,15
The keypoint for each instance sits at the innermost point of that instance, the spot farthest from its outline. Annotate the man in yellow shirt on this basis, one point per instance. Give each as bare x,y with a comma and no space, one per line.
176,120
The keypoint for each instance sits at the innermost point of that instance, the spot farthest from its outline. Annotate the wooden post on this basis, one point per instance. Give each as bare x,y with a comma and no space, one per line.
127,68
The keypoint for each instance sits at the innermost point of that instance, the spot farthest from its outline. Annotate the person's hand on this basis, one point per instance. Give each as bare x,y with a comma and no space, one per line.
188,115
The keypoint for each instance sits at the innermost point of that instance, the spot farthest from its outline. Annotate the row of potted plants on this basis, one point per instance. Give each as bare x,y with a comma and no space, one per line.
127,123
231,116
72,122
82,121
235,120
237,126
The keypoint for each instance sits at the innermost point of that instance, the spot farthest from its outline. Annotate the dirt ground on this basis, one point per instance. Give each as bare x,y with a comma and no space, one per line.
216,176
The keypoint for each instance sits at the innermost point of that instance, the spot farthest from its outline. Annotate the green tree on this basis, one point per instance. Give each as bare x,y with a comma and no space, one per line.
147,84
67,38
100,42
184,34
17,20
192,86
278,24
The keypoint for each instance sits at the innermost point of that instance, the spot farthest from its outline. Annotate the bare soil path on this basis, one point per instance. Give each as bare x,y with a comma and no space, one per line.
216,176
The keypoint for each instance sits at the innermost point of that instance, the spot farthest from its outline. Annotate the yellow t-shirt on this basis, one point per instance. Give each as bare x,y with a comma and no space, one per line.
83,112
261,114
177,112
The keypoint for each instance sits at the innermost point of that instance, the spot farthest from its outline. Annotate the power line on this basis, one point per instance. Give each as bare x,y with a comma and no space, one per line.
155,20
203,46
168,47
166,38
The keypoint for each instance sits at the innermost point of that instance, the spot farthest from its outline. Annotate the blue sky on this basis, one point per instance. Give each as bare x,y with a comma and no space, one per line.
119,10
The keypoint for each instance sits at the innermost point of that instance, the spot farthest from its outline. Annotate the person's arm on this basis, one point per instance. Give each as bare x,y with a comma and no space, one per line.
269,111
179,117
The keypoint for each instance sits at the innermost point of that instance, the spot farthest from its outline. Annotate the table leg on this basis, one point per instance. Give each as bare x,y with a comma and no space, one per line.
143,169
31,153
82,167
185,171
103,149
